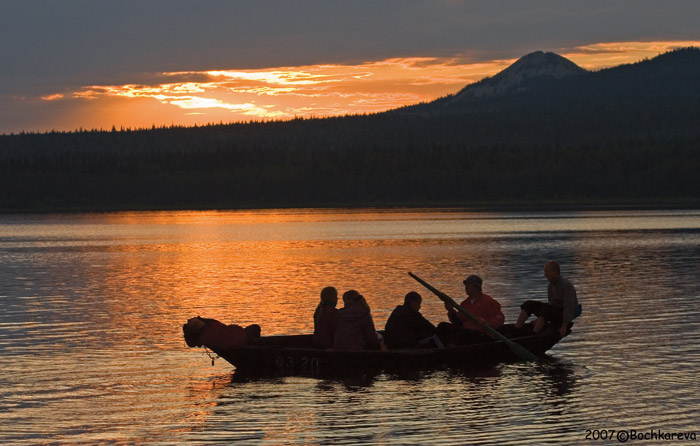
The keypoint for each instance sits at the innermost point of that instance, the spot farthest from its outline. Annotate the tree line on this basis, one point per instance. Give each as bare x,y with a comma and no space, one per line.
628,135
201,170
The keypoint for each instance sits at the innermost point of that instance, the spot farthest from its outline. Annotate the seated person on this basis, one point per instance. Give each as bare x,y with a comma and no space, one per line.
406,326
562,305
463,330
326,318
355,330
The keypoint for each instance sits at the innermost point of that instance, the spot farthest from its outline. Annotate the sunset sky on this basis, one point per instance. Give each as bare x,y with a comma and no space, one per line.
88,64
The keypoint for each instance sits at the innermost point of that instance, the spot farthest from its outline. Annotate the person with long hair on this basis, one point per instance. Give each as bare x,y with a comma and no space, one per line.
355,329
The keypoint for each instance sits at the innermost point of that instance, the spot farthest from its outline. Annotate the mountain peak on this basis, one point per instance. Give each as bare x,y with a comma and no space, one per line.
516,77
550,64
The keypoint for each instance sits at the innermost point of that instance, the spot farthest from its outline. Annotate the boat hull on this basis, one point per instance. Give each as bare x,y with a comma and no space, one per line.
293,355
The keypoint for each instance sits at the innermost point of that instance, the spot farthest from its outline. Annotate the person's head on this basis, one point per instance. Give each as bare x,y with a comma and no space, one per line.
413,300
472,285
329,295
351,296
552,270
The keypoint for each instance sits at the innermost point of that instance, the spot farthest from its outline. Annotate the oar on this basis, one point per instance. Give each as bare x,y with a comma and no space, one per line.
518,349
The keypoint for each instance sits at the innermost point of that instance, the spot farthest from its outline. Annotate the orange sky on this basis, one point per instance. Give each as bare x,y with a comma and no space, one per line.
188,98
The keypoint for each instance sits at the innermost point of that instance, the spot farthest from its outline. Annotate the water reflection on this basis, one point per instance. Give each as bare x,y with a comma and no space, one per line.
92,307
561,376
400,406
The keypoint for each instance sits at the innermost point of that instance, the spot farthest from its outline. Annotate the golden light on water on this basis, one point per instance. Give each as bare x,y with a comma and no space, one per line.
94,304
201,97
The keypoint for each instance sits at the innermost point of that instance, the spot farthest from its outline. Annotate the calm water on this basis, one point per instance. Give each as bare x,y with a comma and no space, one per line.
92,306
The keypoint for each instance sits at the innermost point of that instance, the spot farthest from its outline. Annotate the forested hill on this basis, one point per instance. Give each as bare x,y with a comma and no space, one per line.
542,131
655,98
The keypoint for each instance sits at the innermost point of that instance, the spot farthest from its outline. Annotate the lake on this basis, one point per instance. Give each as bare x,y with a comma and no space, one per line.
93,304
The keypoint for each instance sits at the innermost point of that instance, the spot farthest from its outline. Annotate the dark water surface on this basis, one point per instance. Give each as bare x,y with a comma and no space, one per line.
91,309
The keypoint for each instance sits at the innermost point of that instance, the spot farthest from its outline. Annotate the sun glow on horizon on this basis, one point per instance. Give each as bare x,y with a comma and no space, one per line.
604,55
202,97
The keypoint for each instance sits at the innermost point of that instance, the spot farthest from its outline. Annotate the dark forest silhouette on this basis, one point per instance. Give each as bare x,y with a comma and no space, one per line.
628,134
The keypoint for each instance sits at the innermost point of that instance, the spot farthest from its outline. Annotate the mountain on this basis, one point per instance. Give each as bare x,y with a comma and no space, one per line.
520,76
543,85
541,131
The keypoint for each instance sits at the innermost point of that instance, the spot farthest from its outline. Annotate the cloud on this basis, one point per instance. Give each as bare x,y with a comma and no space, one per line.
77,42
52,97
285,91
248,109
233,95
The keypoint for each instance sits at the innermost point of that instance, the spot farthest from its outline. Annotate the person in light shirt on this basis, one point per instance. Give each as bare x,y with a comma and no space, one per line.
562,304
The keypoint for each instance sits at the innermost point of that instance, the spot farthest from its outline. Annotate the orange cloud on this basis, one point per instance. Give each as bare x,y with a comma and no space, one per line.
52,97
327,90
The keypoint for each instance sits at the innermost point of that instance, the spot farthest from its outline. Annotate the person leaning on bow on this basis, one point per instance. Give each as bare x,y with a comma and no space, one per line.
562,304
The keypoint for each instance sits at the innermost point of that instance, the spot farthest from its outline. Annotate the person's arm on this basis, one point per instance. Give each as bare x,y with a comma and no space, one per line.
370,333
568,298
424,324
452,315
495,317
455,317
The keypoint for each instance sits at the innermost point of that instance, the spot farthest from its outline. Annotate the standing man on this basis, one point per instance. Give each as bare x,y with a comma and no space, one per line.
562,304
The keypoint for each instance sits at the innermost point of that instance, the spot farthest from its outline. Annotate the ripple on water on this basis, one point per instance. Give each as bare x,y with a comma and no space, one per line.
92,306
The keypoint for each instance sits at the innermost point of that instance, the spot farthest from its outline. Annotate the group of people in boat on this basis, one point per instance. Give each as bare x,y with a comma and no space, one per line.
352,327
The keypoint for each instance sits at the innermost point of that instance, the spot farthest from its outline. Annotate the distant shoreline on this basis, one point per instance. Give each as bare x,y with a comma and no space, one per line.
427,206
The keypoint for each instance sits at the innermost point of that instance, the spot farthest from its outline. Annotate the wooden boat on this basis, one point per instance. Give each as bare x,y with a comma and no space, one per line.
295,355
